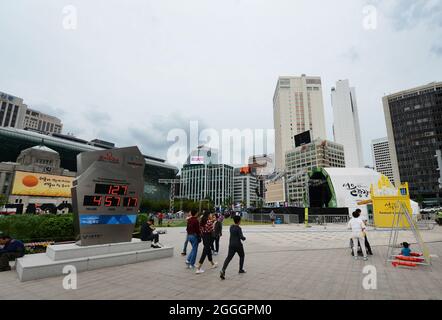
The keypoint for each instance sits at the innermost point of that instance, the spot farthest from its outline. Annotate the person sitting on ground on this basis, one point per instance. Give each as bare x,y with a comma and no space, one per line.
12,249
148,233
406,251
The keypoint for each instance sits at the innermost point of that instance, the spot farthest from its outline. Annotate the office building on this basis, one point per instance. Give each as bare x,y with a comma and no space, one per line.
381,157
414,126
207,181
245,188
297,107
13,141
317,154
14,113
346,129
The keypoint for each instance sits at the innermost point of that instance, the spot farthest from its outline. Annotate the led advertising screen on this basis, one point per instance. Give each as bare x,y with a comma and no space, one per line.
197,160
40,184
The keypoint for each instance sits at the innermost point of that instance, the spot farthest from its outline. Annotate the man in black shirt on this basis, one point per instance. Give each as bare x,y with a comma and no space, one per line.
235,246
147,233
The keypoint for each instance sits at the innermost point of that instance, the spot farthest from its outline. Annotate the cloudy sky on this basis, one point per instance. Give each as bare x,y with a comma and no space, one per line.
132,70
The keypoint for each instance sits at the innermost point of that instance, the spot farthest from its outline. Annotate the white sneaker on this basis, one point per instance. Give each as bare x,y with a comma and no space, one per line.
214,265
365,258
198,271
187,262
356,258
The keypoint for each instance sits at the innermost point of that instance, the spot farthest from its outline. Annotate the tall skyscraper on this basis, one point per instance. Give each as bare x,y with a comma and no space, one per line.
381,157
346,129
414,125
297,107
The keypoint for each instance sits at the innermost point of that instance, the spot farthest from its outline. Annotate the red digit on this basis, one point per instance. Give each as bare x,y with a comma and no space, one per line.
119,200
125,189
108,202
110,189
136,201
97,200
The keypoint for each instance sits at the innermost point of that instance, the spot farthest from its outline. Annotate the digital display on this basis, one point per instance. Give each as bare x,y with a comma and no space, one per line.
117,190
130,202
110,201
93,201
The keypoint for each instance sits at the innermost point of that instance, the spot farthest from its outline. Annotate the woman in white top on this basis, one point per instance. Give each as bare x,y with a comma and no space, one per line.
357,234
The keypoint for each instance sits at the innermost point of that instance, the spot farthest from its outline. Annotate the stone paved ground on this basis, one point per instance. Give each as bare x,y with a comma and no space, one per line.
285,262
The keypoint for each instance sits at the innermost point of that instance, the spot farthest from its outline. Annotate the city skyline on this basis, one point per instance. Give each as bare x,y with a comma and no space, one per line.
225,77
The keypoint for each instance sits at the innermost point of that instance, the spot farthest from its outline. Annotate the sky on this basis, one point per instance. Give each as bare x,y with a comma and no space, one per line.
130,71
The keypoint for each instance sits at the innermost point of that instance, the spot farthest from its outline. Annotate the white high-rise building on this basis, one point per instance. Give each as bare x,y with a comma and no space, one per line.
297,107
381,157
346,130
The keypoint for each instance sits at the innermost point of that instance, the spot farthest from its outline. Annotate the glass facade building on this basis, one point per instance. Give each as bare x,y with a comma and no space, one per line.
414,126
13,141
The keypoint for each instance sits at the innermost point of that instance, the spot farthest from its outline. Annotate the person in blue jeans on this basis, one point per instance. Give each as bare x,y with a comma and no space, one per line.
193,236
186,242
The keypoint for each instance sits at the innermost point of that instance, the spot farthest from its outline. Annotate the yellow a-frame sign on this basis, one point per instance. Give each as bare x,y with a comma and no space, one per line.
386,200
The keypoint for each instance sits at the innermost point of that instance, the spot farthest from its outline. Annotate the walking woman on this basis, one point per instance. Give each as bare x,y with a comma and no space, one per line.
206,228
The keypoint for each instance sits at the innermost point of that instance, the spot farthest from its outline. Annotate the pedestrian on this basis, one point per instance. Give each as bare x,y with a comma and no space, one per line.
160,219
206,228
193,236
184,253
148,233
272,217
217,233
357,227
235,246
367,244
12,249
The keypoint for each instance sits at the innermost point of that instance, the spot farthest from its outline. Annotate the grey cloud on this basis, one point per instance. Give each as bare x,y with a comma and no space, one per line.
351,54
437,50
46,108
408,14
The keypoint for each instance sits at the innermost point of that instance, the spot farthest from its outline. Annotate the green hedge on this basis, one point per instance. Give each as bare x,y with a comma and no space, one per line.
31,228
35,228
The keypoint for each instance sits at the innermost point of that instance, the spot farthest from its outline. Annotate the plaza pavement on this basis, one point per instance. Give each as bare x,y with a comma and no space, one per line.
282,262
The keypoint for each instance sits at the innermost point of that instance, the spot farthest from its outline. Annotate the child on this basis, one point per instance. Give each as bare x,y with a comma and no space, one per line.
235,246
406,251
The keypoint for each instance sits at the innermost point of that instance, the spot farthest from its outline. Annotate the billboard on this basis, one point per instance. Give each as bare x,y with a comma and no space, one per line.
303,138
39,184
197,160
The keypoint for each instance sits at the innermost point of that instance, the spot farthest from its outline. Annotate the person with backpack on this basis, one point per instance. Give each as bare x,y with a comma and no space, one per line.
235,246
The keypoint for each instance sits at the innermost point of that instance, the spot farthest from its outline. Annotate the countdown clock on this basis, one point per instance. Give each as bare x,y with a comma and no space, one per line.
106,195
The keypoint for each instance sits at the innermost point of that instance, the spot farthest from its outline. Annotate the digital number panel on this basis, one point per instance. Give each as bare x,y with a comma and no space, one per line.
117,190
110,201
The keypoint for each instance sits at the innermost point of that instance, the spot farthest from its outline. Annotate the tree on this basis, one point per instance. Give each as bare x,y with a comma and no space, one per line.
3,200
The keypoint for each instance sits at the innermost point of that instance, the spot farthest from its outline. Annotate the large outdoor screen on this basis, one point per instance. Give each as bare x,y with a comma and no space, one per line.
40,184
